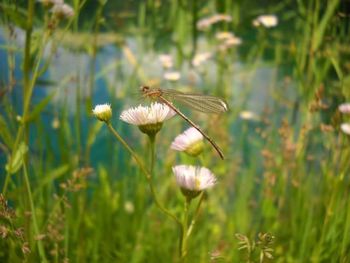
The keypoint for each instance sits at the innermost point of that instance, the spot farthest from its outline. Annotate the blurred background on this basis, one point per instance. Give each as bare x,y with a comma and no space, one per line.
283,68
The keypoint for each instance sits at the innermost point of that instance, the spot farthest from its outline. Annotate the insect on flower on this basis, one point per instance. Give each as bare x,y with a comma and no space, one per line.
199,102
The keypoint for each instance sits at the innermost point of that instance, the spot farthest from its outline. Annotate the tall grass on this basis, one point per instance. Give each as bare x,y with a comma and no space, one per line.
72,192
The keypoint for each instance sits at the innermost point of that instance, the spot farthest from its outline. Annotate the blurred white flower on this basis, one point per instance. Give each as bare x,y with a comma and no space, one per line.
228,40
63,11
345,127
266,21
224,35
172,76
149,119
344,108
166,60
205,23
55,124
103,112
248,115
233,41
190,141
129,207
200,58
193,179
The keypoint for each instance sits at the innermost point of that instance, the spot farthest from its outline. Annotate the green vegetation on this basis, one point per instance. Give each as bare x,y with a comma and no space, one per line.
76,189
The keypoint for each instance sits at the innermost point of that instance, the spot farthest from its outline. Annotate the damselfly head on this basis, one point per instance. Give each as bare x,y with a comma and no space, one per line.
152,93
144,89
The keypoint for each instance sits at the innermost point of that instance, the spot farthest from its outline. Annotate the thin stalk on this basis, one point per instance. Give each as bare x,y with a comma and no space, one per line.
144,171
93,69
27,90
152,140
196,213
184,237
32,208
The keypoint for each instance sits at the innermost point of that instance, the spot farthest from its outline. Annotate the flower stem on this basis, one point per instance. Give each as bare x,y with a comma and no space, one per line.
184,236
33,213
144,171
28,86
152,140
194,219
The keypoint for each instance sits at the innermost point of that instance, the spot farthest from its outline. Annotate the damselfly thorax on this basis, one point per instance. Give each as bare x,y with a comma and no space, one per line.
151,93
199,102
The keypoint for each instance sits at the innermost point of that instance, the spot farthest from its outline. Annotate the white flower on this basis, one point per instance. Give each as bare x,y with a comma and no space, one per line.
200,58
129,207
166,60
148,118
103,112
55,124
345,127
190,141
248,115
206,22
172,76
221,17
266,21
63,10
233,41
142,115
344,108
193,179
224,35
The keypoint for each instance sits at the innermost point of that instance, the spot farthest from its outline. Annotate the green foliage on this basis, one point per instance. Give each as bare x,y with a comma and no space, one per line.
71,192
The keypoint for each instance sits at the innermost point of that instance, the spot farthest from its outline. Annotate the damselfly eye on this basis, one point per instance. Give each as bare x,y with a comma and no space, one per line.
144,88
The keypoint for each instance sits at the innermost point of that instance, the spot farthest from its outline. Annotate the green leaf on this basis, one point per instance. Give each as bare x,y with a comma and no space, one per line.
45,82
93,132
16,162
40,107
5,133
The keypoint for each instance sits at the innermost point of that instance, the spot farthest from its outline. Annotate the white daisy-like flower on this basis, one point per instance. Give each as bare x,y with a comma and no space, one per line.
266,21
205,23
166,60
345,127
190,141
103,112
149,119
200,58
344,108
172,76
193,179
63,11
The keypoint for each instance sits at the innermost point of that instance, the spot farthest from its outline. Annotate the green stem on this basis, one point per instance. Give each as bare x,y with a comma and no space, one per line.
183,244
32,208
144,171
196,213
28,85
152,140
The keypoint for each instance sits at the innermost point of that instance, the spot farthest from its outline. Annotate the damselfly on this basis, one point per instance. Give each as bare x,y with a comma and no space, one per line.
199,102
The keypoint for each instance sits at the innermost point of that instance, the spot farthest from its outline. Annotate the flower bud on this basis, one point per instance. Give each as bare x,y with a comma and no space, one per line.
103,112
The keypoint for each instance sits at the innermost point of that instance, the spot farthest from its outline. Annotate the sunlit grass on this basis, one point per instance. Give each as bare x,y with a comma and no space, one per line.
80,190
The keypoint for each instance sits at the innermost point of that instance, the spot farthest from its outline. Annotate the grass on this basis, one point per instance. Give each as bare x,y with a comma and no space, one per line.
73,192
